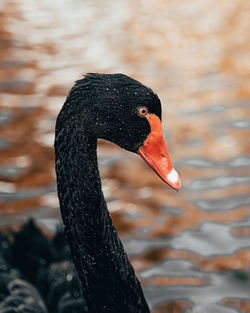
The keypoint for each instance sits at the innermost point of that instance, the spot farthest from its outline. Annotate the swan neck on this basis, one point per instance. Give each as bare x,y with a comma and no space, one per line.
108,280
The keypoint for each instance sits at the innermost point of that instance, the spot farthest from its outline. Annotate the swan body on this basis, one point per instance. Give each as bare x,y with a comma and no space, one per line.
37,274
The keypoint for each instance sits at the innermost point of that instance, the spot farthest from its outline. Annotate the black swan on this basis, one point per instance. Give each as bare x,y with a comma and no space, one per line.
37,274
16,293
120,109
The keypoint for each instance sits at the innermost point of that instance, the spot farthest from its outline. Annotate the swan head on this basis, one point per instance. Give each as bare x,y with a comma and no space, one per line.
120,109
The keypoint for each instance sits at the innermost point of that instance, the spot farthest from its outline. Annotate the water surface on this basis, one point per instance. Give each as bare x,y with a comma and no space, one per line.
191,249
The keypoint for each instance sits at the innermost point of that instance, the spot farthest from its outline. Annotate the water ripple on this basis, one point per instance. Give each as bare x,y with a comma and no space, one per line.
224,204
204,298
27,193
199,162
172,268
208,240
217,182
240,124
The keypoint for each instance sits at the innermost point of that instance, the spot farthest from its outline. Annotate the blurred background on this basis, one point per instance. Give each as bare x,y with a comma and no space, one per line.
191,249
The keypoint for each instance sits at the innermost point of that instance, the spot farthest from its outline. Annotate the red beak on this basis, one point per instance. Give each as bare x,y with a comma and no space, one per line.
154,152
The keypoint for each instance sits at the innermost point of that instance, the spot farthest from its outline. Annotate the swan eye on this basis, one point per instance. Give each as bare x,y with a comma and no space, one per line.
142,111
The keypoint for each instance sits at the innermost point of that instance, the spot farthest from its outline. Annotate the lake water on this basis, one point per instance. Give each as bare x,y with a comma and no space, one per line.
191,249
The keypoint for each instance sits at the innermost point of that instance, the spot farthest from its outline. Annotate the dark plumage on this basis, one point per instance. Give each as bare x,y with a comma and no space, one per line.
99,106
31,250
16,294
37,274
19,296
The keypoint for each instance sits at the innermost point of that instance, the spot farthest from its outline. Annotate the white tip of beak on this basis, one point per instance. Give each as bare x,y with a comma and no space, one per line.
173,176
